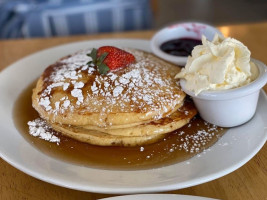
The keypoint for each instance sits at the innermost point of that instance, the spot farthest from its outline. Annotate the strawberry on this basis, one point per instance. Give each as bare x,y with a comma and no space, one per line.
109,58
116,58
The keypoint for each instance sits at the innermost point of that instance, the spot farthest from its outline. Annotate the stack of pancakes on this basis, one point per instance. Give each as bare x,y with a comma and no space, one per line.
136,105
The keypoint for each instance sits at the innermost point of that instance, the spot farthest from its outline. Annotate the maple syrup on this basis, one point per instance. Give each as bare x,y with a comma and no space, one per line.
177,146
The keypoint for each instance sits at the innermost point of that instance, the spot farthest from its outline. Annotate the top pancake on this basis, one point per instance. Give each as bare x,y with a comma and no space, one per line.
71,92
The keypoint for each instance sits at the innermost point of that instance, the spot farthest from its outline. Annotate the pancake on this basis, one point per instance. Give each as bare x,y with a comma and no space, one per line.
104,139
164,125
71,92
91,127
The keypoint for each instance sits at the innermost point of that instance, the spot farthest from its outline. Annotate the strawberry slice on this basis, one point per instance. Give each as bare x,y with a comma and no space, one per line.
116,58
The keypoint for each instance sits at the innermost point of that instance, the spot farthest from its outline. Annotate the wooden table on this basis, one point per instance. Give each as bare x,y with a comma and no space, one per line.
248,182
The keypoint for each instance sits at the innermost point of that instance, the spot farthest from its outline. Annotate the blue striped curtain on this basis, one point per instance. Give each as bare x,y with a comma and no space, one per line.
46,18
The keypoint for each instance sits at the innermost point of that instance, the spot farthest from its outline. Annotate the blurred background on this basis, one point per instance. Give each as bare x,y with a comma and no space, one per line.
48,18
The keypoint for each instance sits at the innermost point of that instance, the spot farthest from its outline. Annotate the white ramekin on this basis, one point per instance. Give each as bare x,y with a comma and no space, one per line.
233,107
180,30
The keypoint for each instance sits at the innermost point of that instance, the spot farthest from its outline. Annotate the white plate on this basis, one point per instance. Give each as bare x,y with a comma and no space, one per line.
232,151
157,197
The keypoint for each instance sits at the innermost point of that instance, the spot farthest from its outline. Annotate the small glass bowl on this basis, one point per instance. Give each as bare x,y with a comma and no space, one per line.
233,107
192,30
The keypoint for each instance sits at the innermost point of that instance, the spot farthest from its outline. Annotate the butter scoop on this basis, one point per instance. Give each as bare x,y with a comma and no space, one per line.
221,64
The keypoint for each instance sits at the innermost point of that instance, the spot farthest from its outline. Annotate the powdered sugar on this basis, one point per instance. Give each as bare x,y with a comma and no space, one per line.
46,103
135,88
77,93
187,142
39,128
65,86
193,143
66,103
78,84
117,91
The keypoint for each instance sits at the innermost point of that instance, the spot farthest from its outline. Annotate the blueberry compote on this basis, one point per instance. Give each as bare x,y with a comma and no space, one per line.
180,46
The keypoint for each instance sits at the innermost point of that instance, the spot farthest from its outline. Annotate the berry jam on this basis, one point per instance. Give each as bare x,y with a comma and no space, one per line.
180,47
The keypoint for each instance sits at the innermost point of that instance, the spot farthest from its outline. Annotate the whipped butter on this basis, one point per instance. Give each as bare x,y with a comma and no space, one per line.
221,64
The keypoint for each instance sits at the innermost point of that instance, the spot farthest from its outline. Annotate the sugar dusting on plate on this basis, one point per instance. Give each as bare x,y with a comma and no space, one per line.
39,128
